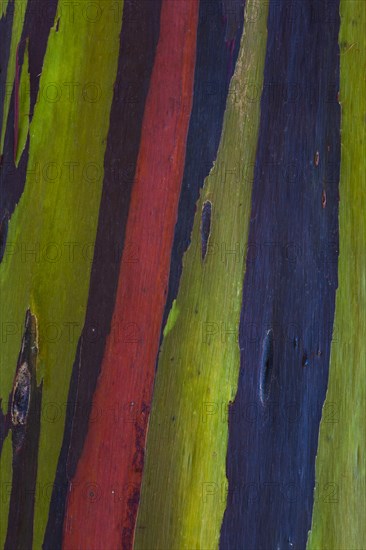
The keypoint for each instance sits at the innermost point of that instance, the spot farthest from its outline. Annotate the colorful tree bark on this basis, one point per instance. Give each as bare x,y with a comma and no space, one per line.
182,274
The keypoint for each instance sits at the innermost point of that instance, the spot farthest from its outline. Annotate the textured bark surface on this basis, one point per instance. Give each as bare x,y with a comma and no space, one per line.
182,274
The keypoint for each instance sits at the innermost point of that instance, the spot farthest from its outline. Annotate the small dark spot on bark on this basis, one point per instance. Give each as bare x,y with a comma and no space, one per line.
266,366
358,456
140,430
324,198
205,227
305,360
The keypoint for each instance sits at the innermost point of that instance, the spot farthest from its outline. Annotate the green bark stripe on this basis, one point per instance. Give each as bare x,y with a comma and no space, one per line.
197,374
3,7
24,107
20,7
57,218
340,493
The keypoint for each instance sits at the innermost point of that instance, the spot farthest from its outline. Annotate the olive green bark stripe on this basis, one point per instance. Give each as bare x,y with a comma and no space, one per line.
3,7
24,107
186,448
20,7
340,493
57,218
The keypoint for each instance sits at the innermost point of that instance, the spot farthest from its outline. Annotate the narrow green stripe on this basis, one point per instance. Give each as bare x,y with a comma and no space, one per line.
57,218
186,448
20,7
24,107
340,495
3,8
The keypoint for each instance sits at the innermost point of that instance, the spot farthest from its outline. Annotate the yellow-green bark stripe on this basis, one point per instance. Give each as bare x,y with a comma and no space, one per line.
340,493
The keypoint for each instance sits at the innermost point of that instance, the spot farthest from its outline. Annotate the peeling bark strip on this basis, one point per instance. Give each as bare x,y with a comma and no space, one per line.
139,37
24,422
290,284
113,453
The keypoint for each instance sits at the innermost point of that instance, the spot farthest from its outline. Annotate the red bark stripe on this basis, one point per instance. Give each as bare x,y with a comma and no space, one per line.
104,494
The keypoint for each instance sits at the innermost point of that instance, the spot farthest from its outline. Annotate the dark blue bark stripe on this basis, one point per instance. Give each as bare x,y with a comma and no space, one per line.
220,28
290,283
